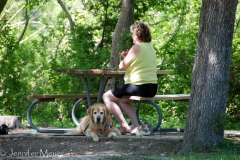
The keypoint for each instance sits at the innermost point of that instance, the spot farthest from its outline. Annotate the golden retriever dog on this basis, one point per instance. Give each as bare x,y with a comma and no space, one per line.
97,123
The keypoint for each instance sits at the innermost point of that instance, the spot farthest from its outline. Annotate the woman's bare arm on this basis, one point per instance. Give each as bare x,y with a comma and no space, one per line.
132,53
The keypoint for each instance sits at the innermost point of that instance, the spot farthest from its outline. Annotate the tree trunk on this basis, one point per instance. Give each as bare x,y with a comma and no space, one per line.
119,30
125,19
210,76
126,38
2,5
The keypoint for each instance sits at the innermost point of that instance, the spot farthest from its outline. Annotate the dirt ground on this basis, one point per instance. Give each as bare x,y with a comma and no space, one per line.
21,145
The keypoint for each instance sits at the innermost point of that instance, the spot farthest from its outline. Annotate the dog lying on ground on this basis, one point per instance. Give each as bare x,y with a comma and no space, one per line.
97,123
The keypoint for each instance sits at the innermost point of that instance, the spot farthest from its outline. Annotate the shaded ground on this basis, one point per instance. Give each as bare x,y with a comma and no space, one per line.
22,145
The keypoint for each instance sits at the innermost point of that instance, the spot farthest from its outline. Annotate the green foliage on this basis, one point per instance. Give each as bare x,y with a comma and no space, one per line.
233,109
174,114
148,113
57,114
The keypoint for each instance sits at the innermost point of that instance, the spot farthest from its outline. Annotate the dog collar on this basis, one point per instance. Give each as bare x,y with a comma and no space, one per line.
109,125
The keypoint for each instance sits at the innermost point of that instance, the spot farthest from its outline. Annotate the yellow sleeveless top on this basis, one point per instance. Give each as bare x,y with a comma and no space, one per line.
143,68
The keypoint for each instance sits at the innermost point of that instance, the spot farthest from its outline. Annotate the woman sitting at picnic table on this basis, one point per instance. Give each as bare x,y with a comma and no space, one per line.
140,77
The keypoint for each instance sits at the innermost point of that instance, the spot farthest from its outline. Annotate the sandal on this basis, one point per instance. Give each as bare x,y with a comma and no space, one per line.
135,130
125,132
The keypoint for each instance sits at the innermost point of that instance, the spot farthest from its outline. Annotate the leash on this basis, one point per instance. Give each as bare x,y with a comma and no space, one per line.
107,125
86,129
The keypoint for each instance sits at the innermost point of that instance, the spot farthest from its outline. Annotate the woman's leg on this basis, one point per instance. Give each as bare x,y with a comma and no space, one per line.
129,109
110,102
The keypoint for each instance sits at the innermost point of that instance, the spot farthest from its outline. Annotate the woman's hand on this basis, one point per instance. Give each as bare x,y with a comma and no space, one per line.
124,53
129,56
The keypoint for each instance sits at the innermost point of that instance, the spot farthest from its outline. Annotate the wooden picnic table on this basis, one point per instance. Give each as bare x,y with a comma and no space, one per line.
104,75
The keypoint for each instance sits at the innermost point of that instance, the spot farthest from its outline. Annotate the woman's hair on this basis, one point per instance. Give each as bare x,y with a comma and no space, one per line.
142,31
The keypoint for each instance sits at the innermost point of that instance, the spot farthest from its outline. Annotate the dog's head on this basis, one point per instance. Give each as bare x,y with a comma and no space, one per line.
98,113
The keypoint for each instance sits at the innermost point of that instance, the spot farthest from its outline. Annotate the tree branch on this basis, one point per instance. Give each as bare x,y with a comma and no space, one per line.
72,24
12,18
165,19
7,10
170,40
176,31
25,26
60,41
31,34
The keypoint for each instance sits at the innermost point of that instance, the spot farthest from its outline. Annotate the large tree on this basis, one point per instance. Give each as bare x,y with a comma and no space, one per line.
210,76
126,18
124,21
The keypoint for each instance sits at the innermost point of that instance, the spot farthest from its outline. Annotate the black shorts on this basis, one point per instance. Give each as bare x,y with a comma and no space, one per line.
143,90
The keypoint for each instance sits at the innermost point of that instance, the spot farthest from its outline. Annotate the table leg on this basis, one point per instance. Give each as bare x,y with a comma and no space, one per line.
29,118
87,91
74,118
159,115
159,111
101,88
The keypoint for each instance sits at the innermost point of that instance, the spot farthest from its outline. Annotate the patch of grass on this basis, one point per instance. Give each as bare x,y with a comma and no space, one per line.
131,158
232,125
229,151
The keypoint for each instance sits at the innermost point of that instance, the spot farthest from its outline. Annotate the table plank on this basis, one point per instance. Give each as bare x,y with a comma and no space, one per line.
60,96
160,97
102,73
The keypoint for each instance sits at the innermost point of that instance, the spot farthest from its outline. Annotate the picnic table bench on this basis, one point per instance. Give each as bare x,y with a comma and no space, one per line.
51,98
150,100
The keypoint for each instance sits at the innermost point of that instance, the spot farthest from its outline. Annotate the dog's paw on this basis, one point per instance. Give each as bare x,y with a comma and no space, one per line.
111,135
96,139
